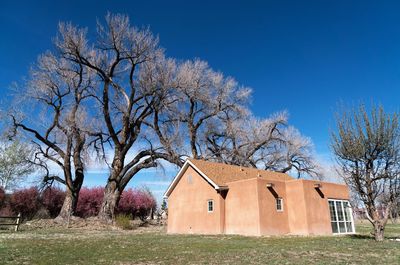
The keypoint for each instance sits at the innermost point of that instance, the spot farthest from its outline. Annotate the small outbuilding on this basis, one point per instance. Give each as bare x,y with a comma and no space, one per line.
215,198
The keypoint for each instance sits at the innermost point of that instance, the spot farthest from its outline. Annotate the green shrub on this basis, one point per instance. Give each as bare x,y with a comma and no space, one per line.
123,221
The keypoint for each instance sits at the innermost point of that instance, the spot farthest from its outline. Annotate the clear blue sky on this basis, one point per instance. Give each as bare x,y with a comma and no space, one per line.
300,56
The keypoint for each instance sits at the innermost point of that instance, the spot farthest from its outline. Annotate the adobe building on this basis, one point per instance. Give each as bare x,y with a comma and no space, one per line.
214,198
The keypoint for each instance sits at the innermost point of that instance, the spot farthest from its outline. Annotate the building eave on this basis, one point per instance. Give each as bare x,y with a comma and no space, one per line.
182,171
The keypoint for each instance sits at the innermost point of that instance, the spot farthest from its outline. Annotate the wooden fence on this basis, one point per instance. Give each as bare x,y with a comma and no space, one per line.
11,221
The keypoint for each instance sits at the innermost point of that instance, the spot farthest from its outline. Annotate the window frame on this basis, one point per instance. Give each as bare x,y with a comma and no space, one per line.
345,220
212,205
280,199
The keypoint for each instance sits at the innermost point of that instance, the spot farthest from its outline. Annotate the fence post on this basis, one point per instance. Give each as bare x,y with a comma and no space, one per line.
18,221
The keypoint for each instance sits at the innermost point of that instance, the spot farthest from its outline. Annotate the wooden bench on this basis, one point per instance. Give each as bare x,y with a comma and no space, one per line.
16,223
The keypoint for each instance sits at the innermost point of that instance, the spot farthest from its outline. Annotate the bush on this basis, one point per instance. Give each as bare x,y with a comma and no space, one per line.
138,202
2,197
42,213
134,202
31,204
145,204
89,202
26,202
6,211
52,200
123,221
127,202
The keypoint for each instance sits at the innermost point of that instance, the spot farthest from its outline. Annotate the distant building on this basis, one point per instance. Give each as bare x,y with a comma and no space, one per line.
361,213
215,198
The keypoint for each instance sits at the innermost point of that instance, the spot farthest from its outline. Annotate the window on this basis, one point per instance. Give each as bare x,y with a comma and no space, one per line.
189,179
341,217
279,204
210,206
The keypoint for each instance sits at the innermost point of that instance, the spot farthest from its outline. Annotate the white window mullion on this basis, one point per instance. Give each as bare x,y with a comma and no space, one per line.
344,217
337,217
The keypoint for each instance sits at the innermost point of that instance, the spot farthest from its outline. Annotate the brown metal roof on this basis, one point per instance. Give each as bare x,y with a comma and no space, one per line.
222,174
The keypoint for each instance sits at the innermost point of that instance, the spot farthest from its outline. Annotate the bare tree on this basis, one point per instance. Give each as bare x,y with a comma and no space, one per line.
57,89
367,149
210,111
204,95
292,152
164,125
268,144
15,164
193,97
118,56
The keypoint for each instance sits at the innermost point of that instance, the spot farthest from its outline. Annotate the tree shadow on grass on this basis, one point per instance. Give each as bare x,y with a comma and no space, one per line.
359,236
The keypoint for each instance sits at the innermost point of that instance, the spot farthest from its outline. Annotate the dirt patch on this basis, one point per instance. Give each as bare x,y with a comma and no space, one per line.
91,224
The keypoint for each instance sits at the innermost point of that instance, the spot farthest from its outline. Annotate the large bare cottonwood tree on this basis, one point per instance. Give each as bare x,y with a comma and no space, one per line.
118,56
192,98
57,91
367,150
200,113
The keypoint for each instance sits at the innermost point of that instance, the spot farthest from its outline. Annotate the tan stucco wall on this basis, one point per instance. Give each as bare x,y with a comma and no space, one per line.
296,208
272,222
187,207
308,209
318,215
241,208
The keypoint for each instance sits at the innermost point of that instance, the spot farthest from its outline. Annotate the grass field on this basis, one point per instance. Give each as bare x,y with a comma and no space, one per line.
55,246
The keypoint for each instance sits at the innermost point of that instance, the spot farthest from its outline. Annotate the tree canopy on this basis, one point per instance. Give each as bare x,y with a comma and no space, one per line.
367,150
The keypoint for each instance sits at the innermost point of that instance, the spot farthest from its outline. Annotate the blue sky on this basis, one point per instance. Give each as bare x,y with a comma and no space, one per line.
302,56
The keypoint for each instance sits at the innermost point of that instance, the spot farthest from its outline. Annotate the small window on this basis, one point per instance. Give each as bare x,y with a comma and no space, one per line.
210,206
279,204
189,179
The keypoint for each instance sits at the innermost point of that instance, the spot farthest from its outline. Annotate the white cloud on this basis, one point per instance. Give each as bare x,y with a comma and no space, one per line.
155,183
158,191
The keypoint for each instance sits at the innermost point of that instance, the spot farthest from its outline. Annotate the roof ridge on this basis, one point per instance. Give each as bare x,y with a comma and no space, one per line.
231,165
222,173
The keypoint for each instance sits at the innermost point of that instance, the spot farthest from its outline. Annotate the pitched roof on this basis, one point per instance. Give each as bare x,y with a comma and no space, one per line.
221,174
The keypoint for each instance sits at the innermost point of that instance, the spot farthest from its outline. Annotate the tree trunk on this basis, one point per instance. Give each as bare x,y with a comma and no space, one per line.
379,230
110,202
69,206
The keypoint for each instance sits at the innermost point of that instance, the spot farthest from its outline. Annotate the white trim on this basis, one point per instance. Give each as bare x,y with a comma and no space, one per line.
180,173
344,216
175,180
204,175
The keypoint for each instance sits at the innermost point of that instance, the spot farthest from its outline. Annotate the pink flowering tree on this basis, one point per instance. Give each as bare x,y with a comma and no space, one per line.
26,202
89,202
137,202
52,200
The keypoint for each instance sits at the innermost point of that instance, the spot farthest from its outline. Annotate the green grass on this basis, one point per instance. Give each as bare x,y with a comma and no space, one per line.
130,247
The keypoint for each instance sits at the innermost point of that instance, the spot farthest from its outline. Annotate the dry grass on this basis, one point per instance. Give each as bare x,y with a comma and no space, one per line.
150,245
